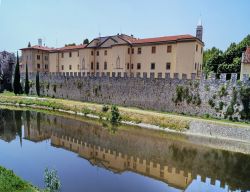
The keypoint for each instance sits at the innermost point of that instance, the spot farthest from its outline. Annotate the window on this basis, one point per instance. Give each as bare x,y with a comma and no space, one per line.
105,52
92,52
169,49
201,50
105,65
139,50
46,58
153,50
168,66
78,53
70,67
38,66
132,66
127,66
128,50
62,67
118,60
92,65
78,67
132,50
62,55
152,66
97,66
195,66
70,54
46,66
38,57
197,48
138,66
97,53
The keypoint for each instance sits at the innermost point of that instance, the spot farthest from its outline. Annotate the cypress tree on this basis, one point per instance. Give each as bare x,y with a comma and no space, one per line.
27,85
17,85
37,84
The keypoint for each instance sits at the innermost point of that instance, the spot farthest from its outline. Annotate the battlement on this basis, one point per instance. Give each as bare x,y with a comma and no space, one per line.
221,78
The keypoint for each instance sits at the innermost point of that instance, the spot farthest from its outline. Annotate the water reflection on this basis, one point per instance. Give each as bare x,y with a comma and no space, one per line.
155,155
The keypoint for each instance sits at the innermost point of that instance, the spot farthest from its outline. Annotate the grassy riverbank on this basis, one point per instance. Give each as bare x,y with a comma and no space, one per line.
10,182
165,120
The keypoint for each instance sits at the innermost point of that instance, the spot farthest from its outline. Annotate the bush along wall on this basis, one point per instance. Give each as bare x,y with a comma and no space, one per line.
211,97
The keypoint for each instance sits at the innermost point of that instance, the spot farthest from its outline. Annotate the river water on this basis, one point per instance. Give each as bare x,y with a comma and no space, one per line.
93,156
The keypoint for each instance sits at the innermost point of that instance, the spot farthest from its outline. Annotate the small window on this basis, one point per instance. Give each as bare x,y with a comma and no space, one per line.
78,67
132,66
46,66
78,53
197,48
92,65
97,53
153,50
128,50
97,66
138,66
70,67
133,50
139,50
105,52
38,57
62,55
169,49
38,66
168,66
127,66
152,66
105,65
92,52
46,58
70,54
62,67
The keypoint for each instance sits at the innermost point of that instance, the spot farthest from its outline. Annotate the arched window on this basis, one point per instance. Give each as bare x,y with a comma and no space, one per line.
83,64
118,62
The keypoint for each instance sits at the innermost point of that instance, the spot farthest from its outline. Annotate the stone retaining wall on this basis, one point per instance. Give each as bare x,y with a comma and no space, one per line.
188,96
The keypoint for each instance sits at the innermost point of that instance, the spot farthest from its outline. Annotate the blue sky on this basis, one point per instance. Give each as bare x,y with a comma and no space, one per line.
67,21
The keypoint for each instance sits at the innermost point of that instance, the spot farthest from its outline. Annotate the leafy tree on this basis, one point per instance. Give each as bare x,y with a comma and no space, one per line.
37,84
27,85
86,41
17,85
225,62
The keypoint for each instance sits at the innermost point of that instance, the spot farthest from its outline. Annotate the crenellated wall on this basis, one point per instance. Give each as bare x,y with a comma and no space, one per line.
159,92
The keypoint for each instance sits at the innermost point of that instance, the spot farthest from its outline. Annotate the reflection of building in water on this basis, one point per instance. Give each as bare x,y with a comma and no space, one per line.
118,162
163,157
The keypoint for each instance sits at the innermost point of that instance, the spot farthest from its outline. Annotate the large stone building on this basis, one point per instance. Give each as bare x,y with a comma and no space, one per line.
245,64
181,54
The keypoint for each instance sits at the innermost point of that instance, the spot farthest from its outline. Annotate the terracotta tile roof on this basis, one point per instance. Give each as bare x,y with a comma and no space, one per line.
246,58
37,47
163,39
68,48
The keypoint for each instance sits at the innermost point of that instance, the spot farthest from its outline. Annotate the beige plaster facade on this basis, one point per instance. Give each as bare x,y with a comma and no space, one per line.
121,53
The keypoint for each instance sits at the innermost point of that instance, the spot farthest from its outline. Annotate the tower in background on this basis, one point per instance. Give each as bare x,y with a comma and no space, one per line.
199,30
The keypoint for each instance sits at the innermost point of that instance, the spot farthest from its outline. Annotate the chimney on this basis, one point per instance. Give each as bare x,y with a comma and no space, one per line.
40,42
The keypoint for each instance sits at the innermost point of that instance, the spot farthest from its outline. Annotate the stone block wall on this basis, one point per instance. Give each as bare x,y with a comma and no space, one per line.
204,96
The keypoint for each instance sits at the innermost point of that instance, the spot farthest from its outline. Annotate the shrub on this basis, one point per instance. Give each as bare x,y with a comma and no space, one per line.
221,104
223,91
115,115
245,98
51,180
211,103
105,108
